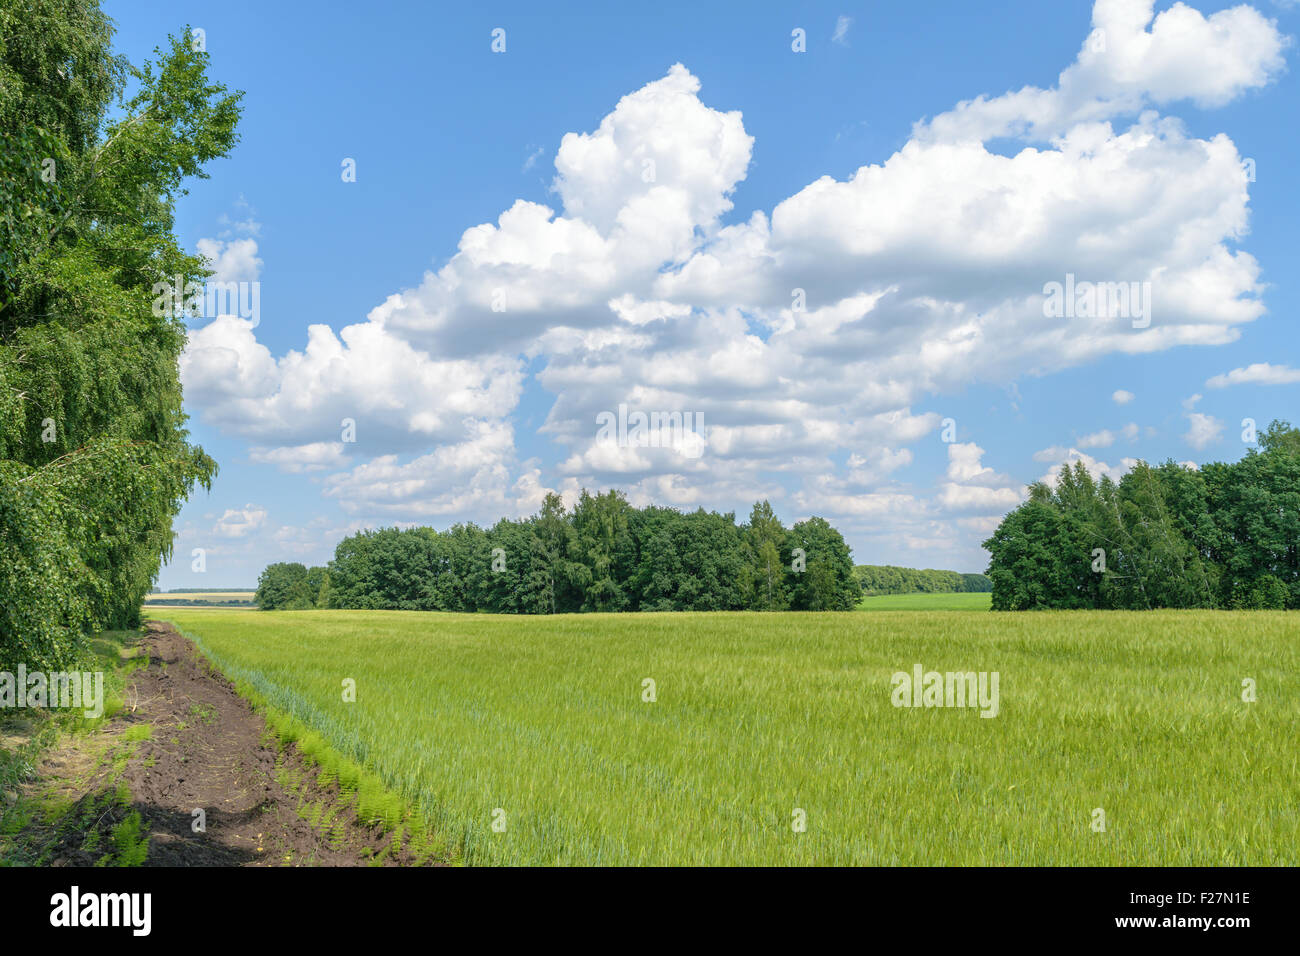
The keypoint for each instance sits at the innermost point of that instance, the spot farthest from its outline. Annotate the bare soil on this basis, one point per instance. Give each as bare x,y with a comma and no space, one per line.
208,750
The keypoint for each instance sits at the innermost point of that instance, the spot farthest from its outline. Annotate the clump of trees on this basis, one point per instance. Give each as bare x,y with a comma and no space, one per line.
887,579
1224,536
603,555
95,459
291,586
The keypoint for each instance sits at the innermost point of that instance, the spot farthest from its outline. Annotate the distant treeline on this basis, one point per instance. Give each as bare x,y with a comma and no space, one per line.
886,579
205,591
1226,536
603,555
162,599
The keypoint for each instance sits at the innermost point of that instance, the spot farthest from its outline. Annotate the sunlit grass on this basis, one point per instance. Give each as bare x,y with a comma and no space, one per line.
1140,714
926,602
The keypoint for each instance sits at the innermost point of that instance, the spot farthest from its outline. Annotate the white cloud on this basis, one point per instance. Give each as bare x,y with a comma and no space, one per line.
1261,373
964,462
1203,430
1055,454
471,477
239,522
872,467
660,146
398,396
1102,439
233,260
921,274
1123,67
971,486
841,35
975,498
1069,456
298,459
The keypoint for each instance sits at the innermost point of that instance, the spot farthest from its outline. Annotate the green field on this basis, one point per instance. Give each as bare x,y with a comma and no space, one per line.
757,715
926,602
200,598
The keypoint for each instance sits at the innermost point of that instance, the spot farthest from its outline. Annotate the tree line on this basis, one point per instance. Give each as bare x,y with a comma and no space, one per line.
1222,536
95,459
887,579
602,555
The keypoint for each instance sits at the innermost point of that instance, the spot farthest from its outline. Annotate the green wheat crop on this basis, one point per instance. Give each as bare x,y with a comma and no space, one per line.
542,723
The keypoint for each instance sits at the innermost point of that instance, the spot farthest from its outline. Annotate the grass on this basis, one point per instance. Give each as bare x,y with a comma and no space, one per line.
40,816
25,734
130,843
926,602
138,732
541,724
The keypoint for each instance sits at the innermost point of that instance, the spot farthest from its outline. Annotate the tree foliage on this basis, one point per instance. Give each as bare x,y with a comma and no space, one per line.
1226,535
291,586
887,579
603,555
95,459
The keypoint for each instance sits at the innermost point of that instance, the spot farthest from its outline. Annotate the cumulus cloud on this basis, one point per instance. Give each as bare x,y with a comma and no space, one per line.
1261,373
972,486
1102,439
1132,59
398,397
1121,397
661,144
239,522
810,337
231,260
1202,430
1068,457
470,477
1105,437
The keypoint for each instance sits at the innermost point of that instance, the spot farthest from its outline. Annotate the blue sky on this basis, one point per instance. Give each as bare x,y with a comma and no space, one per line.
650,259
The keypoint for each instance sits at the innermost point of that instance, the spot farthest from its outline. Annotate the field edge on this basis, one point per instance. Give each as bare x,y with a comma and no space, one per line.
376,804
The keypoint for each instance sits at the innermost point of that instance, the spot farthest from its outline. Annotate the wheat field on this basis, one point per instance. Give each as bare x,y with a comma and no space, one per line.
774,738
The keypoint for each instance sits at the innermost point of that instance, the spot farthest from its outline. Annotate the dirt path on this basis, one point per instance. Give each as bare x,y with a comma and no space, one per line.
185,741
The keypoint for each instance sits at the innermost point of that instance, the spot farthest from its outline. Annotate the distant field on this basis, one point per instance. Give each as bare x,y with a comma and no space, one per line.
926,602
759,716
199,598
